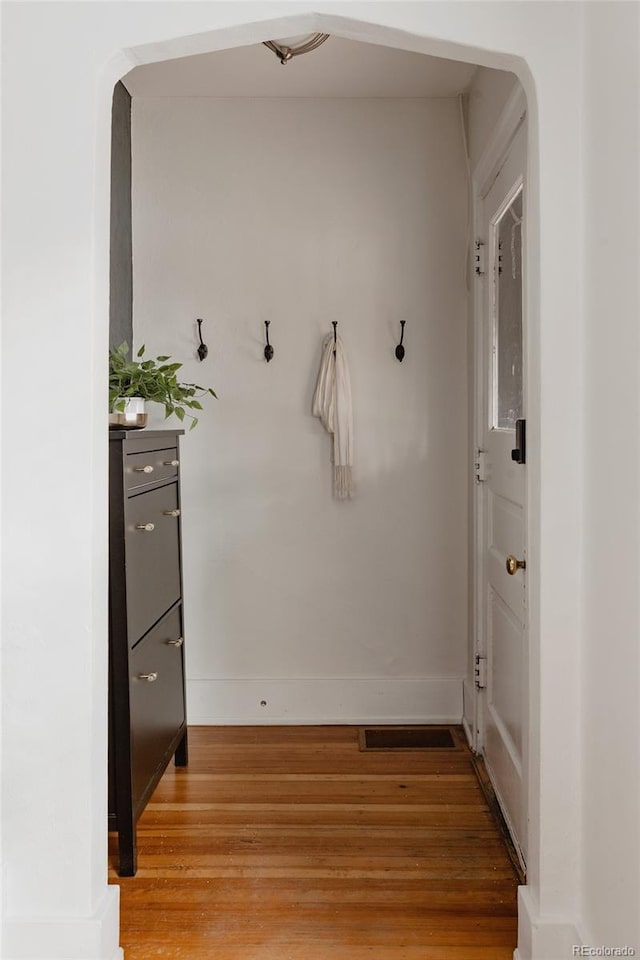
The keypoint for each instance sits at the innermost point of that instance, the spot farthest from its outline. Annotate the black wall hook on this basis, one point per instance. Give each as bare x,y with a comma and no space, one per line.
268,350
203,349
335,335
400,349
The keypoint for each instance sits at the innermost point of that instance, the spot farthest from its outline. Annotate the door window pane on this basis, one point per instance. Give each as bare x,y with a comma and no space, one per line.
507,313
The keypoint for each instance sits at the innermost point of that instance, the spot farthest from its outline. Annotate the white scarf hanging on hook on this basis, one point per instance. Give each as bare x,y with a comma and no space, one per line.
332,404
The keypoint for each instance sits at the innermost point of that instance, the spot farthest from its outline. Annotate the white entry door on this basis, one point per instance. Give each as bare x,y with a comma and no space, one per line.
502,486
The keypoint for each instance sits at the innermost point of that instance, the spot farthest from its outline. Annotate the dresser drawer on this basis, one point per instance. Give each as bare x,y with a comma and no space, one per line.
152,557
149,467
156,700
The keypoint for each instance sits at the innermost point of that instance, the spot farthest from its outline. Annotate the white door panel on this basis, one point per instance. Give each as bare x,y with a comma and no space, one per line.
507,478
503,712
505,535
505,686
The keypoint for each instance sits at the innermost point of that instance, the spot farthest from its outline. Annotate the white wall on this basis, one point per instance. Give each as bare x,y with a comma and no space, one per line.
302,211
60,64
486,99
610,706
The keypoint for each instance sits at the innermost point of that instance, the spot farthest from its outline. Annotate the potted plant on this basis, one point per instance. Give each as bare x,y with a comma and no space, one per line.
153,380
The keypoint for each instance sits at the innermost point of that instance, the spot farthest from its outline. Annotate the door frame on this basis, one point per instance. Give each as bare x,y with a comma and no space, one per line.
482,177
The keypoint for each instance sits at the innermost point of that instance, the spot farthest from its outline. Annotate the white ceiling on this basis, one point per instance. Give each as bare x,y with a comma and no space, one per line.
339,68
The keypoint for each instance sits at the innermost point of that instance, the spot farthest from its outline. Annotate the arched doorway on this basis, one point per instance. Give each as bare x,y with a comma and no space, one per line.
544,56
342,29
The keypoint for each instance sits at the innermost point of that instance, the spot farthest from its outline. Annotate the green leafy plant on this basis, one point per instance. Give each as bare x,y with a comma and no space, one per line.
153,380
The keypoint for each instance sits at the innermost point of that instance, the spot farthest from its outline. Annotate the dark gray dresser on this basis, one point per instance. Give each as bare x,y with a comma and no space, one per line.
147,716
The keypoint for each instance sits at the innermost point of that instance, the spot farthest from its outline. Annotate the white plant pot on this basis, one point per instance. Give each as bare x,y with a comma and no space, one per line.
133,417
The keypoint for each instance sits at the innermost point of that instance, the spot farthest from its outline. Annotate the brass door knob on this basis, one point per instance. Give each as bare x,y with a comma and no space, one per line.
513,565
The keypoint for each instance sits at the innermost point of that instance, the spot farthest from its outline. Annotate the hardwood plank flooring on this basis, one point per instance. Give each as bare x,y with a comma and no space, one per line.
288,843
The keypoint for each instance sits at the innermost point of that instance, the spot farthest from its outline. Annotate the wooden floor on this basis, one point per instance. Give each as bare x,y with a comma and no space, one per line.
287,843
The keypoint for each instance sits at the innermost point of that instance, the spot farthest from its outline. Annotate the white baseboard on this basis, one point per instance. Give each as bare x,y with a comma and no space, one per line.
543,938
330,700
70,938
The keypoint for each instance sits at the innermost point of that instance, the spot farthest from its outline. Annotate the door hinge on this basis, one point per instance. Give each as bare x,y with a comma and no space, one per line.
480,466
479,264
481,672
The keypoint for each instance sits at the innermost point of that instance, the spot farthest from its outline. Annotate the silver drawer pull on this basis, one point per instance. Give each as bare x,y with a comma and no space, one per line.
146,469
146,527
176,643
171,463
171,513
149,677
